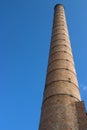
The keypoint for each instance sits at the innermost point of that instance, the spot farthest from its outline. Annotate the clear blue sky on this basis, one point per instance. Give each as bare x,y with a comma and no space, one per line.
25,32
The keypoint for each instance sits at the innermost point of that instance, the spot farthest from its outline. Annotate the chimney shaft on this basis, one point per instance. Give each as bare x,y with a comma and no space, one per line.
61,88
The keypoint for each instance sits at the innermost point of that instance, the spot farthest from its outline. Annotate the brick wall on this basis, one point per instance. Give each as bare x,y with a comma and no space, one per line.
82,116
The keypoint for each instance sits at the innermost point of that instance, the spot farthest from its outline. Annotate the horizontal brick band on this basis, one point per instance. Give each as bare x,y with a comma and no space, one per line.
62,94
60,59
60,45
62,69
63,26
60,86
58,32
62,81
61,52
61,64
59,24
60,37
59,15
54,35
59,20
61,75
56,29
61,40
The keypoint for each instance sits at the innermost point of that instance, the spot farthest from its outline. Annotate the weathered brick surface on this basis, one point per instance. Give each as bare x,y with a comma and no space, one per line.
61,64
59,113
60,42
61,87
61,48
59,56
60,27
81,114
60,36
57,31
61,74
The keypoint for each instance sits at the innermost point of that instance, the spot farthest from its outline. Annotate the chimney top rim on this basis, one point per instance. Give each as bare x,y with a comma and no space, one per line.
59,5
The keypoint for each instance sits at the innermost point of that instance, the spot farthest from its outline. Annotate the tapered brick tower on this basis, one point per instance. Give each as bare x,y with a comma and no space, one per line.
62,108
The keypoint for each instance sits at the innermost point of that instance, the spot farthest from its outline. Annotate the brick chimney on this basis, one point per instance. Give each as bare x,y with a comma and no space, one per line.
61,93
